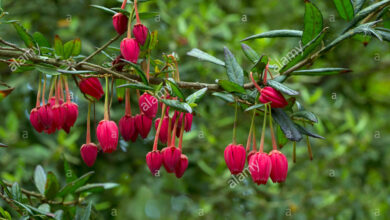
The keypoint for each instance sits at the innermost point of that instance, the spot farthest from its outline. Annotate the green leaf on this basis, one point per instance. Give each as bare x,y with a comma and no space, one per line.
58,215
224,96
32,210
313,22
260,64
275,33
147,15
205,56
96,187
358,5
282,140
196,96
52,186
104,9
74,185
136,86
44,207
68,49
321,71
5,188
70,175
43,43
5,214
27,38
58,46
153,40
47,69
174,89
139,71
306,115
40,179
234,70
250,53
286,124
16,193
77,47
385,35
231,86
177,105
74,71
87,212
345,9
281,87
306,132
254,107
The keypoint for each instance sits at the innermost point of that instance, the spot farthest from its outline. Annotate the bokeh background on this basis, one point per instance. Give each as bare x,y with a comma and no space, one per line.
348,178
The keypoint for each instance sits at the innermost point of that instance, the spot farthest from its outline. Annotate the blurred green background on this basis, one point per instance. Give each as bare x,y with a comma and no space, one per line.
348,178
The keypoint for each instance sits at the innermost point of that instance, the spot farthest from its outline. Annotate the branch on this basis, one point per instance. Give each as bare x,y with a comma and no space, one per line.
100,49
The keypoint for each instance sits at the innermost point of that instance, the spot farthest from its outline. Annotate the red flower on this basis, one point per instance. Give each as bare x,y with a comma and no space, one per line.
58,116
45,116
260,167
163,136
143,125
171,157
235,158
140,33
34,119
130,49
107,135
120,21
91,86
148,104
181,166
71,112
89,153
269,94
154,161
127,128
279,166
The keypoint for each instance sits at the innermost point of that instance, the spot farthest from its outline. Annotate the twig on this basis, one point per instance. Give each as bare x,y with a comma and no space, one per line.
11,45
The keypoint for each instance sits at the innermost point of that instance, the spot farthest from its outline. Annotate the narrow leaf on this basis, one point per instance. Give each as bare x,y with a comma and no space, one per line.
234,70
43,43
306,132
286,124
96,187
306,115
321,71
58,46
74,185
40,179
27,38
52,185
69,173
254,107
176,104
104,9
16,193
231,86
282,140
345,9
136,86
224,96
205,56
196,96
275,33
313,22
139,71
174,89
68,49
77,47
281,87
75,71
87,212
250,53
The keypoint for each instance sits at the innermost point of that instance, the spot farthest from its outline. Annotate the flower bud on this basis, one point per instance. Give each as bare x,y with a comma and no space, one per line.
71,112
235,156
127,128
163,136
130,49
181,166
107,135
140,33
148,104
279,166
154,161
260,167
89,153
92,87
120,21
143,125
269,94
58,116
171,157
34,119
45,116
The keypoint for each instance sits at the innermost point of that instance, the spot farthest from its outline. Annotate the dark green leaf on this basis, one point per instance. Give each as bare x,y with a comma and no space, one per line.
224,96
286,124
174,89
306,115
250,53
276,33
32,210
260,64
77,47
16,193
136,86
254,107
43,43
313,22
47,69
5,214
345,9
5,188
147,15
231,86
321,71
96,187
358,5
27,38
281,87
74,71
40,179
196,96
52,186
69,173
74,185
68,49
306,132
205,56
176,104
58,46
87,212
139,71
234,70
104,9
282,140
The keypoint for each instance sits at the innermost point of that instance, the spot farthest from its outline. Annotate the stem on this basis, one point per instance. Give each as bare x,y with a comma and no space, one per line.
169,131
136,12
263,131
43,90
164,107
254,147
254,82
174,131
265,74
181,132
235,124
139,95
57,91
124,4
38,103
52,86
250,131
106,115
274,146
148,68
61,87
66,89
89,124
127,103
129,24
112,94
294,152
309,148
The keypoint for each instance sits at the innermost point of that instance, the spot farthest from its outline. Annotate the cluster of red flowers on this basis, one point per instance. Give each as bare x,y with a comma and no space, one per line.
56,114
